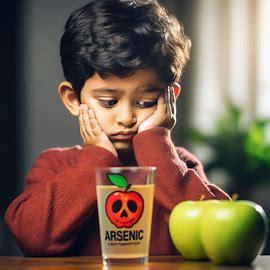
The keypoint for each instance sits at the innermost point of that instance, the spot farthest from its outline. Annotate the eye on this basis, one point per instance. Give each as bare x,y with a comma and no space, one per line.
116,206
147,104
132,206
107,102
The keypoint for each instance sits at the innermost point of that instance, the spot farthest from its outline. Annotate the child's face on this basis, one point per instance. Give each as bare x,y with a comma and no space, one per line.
127,106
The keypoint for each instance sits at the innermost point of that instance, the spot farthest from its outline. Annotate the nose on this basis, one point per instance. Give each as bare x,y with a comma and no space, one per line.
126,116
124,213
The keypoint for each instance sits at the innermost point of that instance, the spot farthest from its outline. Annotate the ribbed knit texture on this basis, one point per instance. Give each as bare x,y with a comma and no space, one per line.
57,212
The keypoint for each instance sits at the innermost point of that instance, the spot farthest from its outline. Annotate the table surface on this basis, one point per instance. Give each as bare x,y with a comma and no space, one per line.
90,263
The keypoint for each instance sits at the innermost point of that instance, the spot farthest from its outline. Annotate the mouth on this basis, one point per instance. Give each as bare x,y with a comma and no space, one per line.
122,137
125,222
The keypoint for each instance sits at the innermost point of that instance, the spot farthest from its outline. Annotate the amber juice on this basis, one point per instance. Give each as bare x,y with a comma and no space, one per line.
120,238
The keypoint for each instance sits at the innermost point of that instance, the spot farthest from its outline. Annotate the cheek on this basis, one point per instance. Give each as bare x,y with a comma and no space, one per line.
104,117
144,114
105,120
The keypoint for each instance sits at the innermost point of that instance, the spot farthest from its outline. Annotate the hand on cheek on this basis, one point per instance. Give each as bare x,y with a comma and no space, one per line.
91,132
164,115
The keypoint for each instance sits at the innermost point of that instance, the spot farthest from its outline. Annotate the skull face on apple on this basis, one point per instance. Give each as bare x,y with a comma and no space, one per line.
123,208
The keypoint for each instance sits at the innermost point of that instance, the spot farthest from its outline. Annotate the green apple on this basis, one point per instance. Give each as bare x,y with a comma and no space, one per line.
184,228
233,232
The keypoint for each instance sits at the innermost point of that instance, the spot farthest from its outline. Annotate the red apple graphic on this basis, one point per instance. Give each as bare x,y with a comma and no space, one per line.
123,208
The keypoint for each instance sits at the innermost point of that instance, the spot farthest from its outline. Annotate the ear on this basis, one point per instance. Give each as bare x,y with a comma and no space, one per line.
177,89
69,98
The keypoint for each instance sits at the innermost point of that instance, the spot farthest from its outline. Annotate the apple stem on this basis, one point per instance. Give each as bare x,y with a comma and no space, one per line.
202,197
127,187
234,196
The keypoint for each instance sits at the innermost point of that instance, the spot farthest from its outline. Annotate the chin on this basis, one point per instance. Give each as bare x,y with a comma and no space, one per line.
122,146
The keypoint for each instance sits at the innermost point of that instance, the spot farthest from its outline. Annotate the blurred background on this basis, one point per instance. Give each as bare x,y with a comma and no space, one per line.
223,112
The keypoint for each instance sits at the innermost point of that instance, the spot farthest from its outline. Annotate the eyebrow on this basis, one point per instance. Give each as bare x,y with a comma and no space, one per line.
150,89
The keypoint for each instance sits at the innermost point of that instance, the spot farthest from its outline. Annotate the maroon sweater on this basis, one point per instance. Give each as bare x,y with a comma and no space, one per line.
57,212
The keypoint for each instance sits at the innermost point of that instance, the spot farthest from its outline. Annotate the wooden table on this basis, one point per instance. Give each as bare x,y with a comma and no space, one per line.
95,263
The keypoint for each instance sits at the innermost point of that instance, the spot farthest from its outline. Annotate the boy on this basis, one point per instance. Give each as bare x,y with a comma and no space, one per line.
122,60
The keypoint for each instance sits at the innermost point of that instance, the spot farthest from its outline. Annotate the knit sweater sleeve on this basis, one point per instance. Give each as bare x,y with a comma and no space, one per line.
174,181
59,196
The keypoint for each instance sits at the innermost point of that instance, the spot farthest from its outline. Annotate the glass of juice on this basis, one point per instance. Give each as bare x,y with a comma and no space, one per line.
125,204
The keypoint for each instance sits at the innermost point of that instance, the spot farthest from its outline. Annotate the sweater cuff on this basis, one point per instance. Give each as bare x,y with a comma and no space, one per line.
98,156
154,146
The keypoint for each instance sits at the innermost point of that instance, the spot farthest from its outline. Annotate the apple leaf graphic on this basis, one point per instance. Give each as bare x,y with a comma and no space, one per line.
118,180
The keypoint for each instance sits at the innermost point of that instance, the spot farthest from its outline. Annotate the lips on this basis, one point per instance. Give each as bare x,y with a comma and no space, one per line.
123,135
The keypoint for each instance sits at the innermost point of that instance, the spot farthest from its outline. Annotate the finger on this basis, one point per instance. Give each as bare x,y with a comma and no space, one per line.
96,129
165,95
169,107
173,101
82,130
92,119
91,114
161,106
173,98
86,122
82,136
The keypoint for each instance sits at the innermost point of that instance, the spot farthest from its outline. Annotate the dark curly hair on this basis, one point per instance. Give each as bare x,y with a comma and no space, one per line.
118,37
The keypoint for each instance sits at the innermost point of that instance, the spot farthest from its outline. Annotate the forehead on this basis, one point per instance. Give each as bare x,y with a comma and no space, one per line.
142,81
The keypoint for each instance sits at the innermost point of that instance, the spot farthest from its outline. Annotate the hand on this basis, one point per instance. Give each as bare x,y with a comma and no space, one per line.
165,114
91,131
